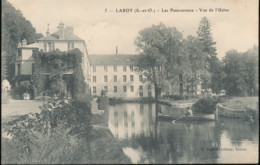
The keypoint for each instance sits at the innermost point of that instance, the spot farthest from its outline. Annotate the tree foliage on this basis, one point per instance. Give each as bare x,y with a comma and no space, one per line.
242,72
159,46
15,28
208,47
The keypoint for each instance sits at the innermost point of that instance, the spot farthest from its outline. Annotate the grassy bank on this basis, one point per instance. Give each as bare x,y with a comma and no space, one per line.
241,103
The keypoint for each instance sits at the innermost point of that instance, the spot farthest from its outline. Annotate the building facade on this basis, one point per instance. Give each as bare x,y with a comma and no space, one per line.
63,39
119,77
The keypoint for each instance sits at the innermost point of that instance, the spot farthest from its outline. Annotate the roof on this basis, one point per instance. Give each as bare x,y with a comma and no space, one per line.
119,59
31,46
68,35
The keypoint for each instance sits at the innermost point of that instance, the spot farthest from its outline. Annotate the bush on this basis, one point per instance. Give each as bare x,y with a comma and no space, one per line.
205,105
103,101
23,87
55,148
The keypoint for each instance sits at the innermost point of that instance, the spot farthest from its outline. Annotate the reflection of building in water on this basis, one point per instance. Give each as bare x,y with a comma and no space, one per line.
131,120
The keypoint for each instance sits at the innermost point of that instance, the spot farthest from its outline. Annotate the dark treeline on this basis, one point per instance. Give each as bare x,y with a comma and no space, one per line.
15,28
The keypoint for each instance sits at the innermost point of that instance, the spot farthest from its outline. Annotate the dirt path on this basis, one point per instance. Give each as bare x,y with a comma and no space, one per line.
19,107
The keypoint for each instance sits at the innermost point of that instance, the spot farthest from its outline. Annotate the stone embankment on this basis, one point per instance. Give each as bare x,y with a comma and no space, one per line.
235,113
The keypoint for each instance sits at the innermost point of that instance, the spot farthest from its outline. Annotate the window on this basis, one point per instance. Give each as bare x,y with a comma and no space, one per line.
49,46
115,113
116,124
140,87
115,78
18,69
45,47
105,68
180,77
133,125
115,89
125,89
105,78
94,89
141,109
20,53
53,46
105,88
115,68
124,78
94,68
124,68
132,88
68,46
141,94
149,93
126,123
149,87
94,79
131,68
125,114
141,78
132,78
33,68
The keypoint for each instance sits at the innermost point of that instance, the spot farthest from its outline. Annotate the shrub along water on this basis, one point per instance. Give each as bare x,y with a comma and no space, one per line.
205,105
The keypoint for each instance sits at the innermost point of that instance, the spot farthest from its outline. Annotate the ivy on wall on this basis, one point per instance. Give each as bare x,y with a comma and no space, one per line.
55,64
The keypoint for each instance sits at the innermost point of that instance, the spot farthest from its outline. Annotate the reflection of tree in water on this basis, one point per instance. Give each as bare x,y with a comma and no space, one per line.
179,143
238,130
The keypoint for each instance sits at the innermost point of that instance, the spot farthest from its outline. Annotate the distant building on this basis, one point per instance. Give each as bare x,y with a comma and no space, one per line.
119,76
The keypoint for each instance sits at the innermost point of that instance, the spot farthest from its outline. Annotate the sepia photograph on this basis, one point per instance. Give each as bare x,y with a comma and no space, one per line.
129,81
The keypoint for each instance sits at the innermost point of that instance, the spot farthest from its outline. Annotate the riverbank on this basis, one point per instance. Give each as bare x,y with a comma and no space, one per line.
239,107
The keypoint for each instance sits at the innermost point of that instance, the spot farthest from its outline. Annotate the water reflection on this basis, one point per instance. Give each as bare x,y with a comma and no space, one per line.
148,140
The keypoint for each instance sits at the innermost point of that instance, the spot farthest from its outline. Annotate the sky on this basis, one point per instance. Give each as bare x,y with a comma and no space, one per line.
103,27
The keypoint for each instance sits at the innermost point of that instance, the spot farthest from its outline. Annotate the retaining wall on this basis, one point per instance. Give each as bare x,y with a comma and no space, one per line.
234,113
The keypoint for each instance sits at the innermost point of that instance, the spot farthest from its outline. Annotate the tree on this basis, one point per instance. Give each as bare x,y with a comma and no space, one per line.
205,37
196,68
15,28
208,47
159,48
217,75
242,73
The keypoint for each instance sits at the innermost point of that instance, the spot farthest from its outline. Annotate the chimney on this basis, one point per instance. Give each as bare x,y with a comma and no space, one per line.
69,29
48,30
24,42
60,28
116,50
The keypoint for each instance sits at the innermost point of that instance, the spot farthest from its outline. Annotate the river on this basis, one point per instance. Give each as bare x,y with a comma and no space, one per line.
149,140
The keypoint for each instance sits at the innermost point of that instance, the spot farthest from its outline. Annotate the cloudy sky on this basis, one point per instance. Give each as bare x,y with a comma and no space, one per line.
103,31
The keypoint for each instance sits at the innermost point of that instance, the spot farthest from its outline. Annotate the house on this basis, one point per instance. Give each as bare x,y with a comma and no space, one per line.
119,76
63,39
